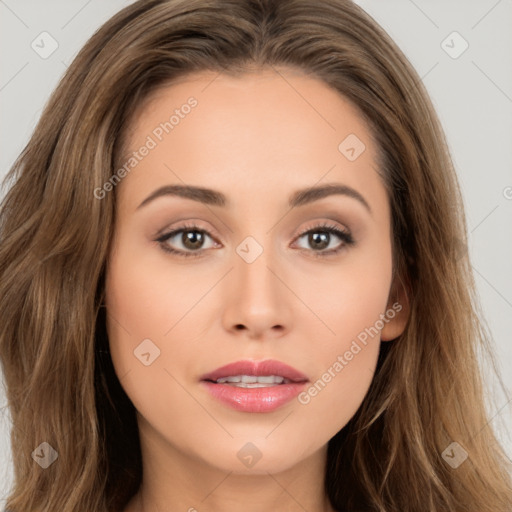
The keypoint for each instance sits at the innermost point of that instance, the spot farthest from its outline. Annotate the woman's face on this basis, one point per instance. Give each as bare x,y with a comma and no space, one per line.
256,274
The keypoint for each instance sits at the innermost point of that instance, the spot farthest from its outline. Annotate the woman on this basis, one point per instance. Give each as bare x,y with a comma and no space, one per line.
310,343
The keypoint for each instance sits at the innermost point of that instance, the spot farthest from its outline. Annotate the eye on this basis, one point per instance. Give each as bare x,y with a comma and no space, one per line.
191,238
320,237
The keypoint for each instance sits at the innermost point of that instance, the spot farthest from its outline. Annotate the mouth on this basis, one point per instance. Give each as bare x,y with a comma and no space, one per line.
252,381
251,386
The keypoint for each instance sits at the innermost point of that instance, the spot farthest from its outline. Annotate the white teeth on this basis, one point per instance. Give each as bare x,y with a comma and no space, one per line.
268,379
252,385
252,381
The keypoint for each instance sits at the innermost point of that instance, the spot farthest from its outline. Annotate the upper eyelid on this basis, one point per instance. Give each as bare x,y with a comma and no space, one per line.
188,225
166,234
195,226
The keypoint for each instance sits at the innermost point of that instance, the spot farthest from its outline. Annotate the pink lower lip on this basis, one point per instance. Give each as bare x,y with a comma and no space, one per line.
254,399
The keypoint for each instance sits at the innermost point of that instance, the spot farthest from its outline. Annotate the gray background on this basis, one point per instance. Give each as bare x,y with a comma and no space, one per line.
472,93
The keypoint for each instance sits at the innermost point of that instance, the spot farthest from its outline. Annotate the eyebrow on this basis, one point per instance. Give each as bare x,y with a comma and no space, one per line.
215,198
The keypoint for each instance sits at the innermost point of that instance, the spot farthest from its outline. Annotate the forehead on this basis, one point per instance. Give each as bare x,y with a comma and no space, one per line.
265,103
259,129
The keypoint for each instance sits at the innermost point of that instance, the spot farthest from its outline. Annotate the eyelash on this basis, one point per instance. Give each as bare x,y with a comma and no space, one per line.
345,236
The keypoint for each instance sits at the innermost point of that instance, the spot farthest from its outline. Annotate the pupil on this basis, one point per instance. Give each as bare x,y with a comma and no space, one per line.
319,239
192,239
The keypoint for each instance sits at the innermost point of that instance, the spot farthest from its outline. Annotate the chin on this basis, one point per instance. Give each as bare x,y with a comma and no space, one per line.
254,456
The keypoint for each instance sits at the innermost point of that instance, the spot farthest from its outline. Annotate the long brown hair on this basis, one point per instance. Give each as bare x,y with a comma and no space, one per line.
55,237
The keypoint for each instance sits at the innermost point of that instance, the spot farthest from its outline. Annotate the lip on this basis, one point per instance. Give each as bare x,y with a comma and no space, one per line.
265,399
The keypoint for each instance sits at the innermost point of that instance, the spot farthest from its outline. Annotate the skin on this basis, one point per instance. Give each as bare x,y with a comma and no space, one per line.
257,138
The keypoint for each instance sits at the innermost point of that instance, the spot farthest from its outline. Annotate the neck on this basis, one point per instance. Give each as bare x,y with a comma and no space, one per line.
175,481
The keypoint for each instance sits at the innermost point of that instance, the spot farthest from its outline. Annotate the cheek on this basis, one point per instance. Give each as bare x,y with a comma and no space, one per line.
154,308
146,311
350,300
345,298
344,368
147,295
331,400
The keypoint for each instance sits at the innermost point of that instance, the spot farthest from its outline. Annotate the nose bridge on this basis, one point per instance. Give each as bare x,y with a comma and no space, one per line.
256,296
255,256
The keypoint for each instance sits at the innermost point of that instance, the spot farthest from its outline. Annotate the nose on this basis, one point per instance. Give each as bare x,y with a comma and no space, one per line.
257,301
